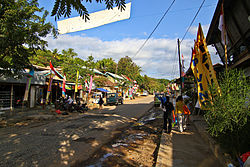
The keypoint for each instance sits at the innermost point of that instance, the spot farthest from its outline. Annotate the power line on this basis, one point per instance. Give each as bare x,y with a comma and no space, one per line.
174,65
154,29
172,11
193,20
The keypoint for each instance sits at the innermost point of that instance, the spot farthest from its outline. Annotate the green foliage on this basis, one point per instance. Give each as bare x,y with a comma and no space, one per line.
21,33
106,65
229,113
127,67
63,7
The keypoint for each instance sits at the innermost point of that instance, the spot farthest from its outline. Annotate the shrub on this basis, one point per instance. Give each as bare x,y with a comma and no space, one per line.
228,115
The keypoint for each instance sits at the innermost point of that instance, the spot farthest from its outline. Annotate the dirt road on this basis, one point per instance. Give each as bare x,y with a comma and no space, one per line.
65,141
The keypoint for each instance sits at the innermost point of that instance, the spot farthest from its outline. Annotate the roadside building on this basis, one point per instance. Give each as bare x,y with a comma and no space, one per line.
237,31
12,90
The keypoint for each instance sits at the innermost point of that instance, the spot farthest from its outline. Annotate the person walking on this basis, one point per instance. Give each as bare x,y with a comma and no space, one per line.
167,115
100,103
180,113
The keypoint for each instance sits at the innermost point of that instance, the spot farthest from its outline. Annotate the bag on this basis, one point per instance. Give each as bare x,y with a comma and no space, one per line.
186,110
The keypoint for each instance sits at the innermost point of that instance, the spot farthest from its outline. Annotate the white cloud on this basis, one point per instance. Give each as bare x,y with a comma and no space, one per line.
158,58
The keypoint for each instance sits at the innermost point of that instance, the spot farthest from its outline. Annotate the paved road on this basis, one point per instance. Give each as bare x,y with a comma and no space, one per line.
66,141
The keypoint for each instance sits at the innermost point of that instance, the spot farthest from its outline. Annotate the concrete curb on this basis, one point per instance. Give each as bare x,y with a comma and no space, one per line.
164,152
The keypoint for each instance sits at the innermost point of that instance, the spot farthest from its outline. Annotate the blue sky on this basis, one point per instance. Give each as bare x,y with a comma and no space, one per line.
158,58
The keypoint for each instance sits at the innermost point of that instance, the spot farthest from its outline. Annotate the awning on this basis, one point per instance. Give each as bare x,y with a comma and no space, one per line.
102,90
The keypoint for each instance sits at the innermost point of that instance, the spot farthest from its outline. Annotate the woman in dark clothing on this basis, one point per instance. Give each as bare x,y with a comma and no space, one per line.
167,115
100,103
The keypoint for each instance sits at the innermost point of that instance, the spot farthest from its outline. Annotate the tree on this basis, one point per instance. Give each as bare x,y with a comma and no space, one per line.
71,64
21,33
106,65
63,7
43,57
127,67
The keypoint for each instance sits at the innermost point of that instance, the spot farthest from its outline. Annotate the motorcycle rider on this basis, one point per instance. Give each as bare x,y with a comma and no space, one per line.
69,104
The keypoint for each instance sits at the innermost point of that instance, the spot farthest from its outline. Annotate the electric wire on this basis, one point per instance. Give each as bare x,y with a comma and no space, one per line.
192,21
154,29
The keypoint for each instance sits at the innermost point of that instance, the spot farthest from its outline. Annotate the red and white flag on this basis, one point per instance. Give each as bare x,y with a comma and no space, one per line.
221,26
86,84
54,71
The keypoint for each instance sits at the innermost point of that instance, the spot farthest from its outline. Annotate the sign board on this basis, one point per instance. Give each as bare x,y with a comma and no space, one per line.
96,19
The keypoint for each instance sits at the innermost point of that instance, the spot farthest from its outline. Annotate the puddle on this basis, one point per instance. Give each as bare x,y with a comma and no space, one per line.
119,144
99,163
152,116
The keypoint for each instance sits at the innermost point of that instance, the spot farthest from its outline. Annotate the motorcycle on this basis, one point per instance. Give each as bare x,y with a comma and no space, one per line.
62,105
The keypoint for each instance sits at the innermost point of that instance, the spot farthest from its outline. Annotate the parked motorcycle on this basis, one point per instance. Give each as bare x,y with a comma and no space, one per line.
62,105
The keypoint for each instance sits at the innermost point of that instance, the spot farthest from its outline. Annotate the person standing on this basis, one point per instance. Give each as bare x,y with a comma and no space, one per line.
167,115
179,112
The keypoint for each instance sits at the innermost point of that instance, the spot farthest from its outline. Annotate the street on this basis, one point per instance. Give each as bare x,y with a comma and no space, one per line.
63,142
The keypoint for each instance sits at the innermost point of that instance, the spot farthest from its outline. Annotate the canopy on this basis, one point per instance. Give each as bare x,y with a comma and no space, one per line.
102,90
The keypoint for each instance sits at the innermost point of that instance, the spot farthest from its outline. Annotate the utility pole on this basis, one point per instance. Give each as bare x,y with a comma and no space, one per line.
178,41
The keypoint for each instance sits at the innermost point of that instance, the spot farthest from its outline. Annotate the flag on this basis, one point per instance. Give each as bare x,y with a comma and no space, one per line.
49,87
27,88
200,77
182,71
86,84
77,76
26,94
53,70
193,63
206,59
221,26
90,84
63,86
202,67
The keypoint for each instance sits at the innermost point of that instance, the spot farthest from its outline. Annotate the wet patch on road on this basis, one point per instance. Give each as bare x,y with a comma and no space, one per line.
97,129
86,140
94,117
47,134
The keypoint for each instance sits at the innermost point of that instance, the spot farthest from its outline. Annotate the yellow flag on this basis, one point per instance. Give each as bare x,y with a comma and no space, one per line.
206,59
77,76
200,77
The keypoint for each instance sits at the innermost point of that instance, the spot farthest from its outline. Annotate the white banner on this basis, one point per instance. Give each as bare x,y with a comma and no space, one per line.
96,19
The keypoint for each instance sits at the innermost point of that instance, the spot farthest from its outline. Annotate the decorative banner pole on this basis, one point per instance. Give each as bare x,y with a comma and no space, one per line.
49,88
76,85
26,94
63,86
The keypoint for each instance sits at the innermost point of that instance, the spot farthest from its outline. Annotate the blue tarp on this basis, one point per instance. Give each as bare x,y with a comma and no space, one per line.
102,90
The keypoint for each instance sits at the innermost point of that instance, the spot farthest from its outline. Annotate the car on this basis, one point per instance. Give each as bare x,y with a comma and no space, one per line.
145,93
157,101
95,97
114,98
